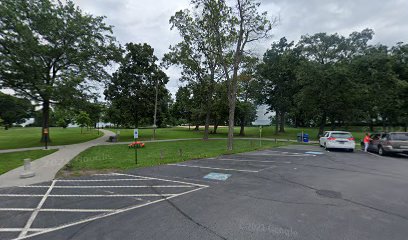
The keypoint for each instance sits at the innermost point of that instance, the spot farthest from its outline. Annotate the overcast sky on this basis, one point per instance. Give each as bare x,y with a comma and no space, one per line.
141,21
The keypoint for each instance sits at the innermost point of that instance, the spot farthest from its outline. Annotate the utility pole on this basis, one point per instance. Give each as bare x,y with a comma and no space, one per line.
155,110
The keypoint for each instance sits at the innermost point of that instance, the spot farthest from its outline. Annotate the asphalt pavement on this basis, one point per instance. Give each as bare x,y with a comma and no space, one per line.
294,192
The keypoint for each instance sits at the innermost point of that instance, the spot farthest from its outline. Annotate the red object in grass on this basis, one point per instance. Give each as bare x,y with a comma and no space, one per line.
136,145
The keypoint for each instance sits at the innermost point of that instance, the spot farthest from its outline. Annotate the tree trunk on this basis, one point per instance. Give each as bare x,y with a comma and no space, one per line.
215,127
242,129
197,127
277,122
46,121
333,124
322,125
371,123
282,122
230,143
207,124
405,127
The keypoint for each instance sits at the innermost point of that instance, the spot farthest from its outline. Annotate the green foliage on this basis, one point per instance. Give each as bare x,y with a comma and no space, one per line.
50,50
133,87
83,119
14,110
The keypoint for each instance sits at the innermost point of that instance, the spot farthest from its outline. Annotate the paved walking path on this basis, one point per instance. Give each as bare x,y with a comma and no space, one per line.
46,167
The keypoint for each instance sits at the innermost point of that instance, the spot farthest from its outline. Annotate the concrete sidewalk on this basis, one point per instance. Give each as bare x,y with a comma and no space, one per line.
45,168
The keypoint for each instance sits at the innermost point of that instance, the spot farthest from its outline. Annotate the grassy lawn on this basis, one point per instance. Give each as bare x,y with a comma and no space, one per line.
30,137
9,161
126,135
121,157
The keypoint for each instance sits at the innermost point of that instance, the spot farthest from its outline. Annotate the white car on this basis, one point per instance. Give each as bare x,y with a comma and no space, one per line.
338,139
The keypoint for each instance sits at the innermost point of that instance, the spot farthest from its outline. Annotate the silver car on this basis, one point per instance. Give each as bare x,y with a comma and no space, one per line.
387,143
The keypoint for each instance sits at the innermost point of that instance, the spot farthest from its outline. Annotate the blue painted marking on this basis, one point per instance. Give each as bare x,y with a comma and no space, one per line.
317,153
217,176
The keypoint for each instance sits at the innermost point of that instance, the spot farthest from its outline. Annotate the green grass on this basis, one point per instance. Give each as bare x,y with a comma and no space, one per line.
9,161
126,135
30,137
121,157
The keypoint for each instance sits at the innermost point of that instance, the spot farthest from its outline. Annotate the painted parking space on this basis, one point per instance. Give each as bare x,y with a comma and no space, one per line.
252,162
29,211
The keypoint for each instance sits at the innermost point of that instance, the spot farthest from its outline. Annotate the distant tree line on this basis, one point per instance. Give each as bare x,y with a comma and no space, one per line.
336,81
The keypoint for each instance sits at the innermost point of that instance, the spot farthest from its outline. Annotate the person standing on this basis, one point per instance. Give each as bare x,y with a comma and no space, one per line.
366,141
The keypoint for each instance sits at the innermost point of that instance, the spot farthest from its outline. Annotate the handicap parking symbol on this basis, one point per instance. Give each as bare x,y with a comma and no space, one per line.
217,176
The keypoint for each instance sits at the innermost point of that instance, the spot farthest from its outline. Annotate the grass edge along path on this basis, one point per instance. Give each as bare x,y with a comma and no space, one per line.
120,157
10,161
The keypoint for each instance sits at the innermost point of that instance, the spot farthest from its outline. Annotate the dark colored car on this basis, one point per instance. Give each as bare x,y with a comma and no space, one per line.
387,143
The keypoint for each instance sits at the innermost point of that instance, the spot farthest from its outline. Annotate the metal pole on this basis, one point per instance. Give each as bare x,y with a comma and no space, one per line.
260,136
135,155
155,110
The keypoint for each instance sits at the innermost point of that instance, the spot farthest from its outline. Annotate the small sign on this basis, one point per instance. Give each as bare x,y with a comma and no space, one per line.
45,131
217,176
135,133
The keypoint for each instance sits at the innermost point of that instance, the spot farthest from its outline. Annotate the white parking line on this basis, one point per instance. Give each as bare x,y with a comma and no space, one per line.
214,168
102,180
101,213
20,229
164,180
55,210
36,211
131,186
255,161
88,195
108,214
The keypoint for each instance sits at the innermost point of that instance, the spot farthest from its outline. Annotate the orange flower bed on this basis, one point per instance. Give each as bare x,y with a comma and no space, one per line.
136,145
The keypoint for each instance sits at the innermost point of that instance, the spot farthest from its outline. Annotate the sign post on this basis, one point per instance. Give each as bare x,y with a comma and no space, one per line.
45,131
260,136
136,136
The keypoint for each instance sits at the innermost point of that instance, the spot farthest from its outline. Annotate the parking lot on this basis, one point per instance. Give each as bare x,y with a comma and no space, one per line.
294,192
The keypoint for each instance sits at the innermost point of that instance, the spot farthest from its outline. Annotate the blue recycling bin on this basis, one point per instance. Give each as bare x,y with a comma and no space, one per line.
305,137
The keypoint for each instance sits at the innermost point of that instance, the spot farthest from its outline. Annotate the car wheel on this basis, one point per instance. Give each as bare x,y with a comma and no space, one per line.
381,151
351,150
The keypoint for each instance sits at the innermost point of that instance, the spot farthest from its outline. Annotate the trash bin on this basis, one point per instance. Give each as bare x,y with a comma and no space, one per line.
299,137
305,137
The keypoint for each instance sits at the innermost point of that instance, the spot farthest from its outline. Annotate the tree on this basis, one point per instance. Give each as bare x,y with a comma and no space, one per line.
197,56
83,120
233,28
133,86
64,116
14,110
277,79
50,51
324,78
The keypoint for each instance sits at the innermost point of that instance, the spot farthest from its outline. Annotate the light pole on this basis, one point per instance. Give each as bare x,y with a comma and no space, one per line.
155,110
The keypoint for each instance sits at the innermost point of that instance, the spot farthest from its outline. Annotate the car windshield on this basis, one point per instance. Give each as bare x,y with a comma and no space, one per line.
399,136
341,135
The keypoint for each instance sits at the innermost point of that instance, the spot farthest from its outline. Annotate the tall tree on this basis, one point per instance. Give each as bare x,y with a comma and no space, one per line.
14,110
277,79
324,76
233,29
133,86
197,56
50,50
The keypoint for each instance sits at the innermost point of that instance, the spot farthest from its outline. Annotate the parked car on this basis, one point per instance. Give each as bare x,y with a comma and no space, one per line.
338,139
387,143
